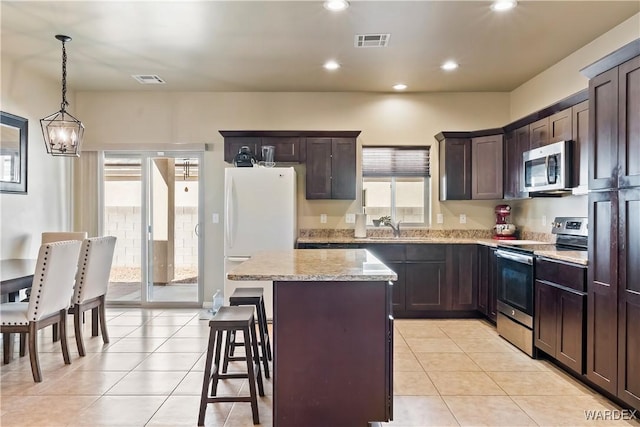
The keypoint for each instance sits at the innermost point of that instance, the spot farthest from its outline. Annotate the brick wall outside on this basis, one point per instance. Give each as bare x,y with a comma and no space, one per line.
124,222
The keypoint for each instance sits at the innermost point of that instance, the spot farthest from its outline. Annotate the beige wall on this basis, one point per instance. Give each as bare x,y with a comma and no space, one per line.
46,206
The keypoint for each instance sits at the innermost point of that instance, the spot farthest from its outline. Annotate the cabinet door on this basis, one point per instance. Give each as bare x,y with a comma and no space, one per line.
287,149
545,324
426,286
560,126
602,293
455,169
580,135
318,180
483,279
603,130
539,133
398,289
629,127
343,168
570,333
486,168
232,145
462,276
629,298
493,285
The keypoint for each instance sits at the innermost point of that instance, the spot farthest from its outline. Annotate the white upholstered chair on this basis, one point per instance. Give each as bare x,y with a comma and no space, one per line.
59,236
92,280
51,293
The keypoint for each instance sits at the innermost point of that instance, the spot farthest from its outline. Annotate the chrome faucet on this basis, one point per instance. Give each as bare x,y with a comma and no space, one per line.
395,228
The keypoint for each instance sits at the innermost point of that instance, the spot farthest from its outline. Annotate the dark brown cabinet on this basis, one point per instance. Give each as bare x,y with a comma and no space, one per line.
516,143
287,149
486,167
613,347
455,169
559,326
331,168
232,145
560,126
539,133
462,274
629,297
580,136
426,282
487,282
393,256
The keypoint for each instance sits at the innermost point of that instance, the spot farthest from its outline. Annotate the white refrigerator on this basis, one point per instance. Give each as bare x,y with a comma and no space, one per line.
259,215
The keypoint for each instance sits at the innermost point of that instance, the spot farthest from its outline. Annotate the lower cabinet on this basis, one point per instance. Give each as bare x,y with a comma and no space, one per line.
560,308
462,275
426,286
487,282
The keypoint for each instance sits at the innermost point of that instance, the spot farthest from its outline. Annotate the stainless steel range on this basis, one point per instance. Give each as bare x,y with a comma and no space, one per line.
516,277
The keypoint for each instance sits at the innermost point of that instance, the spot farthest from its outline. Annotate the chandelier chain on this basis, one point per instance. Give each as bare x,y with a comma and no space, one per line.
64,78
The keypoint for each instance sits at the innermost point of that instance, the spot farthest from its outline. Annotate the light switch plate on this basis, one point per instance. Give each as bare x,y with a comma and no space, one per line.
215,218
350,218
440,219
323,218
544,220
463,218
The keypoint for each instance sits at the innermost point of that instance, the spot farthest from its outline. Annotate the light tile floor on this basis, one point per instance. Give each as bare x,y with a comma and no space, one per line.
446,373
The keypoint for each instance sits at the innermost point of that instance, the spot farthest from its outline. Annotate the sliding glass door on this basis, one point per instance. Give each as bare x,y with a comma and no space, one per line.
153,204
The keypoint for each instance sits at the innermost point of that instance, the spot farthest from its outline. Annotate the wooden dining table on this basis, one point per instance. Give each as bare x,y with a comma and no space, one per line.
16,274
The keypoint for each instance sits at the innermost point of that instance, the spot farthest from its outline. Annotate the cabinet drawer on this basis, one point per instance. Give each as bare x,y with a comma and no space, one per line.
426,252
568,275
387,252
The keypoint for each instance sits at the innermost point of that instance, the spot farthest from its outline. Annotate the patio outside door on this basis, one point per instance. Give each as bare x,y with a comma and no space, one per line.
152,203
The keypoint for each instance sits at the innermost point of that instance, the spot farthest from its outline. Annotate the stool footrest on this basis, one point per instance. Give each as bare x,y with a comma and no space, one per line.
228,399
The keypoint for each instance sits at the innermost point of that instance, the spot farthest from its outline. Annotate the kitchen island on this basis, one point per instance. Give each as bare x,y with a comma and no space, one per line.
332,335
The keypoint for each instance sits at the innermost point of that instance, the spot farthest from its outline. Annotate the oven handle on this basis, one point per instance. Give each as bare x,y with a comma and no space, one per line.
522,259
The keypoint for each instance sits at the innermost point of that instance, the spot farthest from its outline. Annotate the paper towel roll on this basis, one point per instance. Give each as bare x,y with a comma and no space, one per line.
361,225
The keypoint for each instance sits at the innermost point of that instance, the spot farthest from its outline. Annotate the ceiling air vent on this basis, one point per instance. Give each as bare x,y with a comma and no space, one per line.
148,79
372,40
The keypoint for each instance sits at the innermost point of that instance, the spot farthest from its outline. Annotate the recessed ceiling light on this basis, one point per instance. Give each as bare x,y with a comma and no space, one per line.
502,5
336,5
331,65
400,86
449,65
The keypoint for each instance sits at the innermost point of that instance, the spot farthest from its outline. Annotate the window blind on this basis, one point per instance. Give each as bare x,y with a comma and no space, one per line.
395,161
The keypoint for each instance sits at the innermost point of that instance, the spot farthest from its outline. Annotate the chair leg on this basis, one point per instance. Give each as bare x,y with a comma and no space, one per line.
23,344
252,375
207,378
33,352
94,322
54,329
63,336
103,320
77,324
7,346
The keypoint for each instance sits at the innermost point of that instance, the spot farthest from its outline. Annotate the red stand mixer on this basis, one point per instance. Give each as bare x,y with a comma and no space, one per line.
503,230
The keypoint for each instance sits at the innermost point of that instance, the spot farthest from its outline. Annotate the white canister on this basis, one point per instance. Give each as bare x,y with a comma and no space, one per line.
361,225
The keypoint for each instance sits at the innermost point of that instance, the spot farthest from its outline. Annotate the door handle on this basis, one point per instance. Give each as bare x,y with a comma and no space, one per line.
196,230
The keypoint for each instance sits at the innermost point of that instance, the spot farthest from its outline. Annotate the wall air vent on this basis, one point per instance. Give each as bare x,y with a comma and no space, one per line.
372,40
148,79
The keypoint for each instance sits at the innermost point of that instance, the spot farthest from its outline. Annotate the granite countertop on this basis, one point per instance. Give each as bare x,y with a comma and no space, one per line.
545,250
313,265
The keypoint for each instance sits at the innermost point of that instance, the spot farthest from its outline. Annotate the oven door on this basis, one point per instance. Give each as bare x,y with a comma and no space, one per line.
515,283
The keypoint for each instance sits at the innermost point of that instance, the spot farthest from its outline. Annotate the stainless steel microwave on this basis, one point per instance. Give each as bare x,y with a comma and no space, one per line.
548,169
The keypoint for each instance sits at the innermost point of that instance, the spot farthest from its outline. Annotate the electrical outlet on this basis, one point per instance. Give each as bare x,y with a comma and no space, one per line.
323,218
544,220
463,218
350,218
440,219
215,218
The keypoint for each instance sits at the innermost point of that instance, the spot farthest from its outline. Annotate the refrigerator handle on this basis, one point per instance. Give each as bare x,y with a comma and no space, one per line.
238,258
228,211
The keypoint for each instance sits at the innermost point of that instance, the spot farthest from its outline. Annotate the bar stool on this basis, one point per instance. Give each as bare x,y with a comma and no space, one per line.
229,320
254,297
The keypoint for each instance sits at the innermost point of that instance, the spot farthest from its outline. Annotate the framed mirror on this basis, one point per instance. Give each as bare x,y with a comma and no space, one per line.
13,153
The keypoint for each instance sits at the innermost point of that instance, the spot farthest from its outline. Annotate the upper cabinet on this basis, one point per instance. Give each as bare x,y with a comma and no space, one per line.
614,121
560,128
515,144
232,145
455,168
470,167
288,146
580,136
539,133
331,168
486,167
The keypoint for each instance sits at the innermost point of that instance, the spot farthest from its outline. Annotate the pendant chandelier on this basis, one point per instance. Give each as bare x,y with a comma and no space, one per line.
62,132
